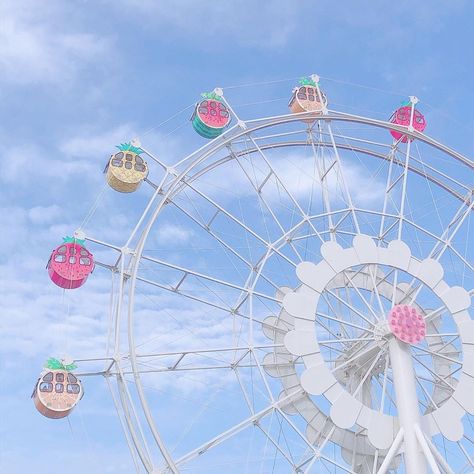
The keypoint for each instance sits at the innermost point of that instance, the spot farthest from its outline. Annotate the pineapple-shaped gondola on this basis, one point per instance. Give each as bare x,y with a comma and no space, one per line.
126,169
211,115
70,264
308,97
403,116
58,390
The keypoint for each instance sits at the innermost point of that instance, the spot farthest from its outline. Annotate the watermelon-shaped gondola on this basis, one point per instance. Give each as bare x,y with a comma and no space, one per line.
211,115
58,390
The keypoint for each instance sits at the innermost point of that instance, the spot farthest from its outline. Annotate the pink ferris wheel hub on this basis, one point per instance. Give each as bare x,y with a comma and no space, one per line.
407,324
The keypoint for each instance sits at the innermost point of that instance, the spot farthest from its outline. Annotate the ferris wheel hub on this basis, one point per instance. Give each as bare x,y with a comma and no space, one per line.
382,332
407,324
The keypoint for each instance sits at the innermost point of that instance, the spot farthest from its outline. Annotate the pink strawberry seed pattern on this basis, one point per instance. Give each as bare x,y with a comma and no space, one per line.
402,116
70,265
407,324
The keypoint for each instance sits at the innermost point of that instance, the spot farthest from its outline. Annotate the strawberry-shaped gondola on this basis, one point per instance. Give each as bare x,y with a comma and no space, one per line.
70,264
211,115
57,391
408,116
126,169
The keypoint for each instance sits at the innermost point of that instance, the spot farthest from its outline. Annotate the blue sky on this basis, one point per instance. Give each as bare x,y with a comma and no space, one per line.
79,77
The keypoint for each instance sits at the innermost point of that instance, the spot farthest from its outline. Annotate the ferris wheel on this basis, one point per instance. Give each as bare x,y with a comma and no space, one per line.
295,297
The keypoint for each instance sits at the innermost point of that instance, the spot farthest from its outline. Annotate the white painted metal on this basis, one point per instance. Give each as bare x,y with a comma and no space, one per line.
407,405
345,411
392,452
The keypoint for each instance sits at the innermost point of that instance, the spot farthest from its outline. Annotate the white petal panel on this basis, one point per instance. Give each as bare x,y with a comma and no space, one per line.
301,342
277,365
429,425
468,360
456,299
313,360
413,267
332,252
302,324
268,327
448,419
316,380
399,254
287,318
381,430
299,305
333,393
466,331
281,292
315,276
441,288
430,272
464,393
364,417
345,410
462,316
365,248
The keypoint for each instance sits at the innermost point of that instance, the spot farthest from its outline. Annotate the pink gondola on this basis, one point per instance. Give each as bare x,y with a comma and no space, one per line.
402,116
70,264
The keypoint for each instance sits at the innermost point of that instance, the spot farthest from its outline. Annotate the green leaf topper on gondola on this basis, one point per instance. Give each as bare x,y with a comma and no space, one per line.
211,96
73,240
56,364
129,147
307,81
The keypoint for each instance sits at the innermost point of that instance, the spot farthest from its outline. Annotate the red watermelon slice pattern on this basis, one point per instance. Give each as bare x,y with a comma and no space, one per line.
213,113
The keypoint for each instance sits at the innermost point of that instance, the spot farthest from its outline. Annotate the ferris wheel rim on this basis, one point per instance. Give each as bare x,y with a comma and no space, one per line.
331,115
463,198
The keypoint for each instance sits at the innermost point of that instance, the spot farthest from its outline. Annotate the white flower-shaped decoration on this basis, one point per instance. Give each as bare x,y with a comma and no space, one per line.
296,330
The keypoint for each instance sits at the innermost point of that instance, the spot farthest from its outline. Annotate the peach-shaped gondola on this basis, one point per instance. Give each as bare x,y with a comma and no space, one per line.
70,264
403,116
308,97
211,115
126,169
58,390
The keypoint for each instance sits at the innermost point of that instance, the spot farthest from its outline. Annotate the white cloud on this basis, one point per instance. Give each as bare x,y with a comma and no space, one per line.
97,143
296,171
173,233
44,214
299,176
34,48
26,164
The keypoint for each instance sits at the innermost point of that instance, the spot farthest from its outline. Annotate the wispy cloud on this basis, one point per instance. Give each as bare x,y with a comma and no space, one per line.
36,46
298,174
173,233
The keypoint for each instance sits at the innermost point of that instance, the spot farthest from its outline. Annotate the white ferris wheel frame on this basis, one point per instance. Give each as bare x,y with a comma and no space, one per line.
126,267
